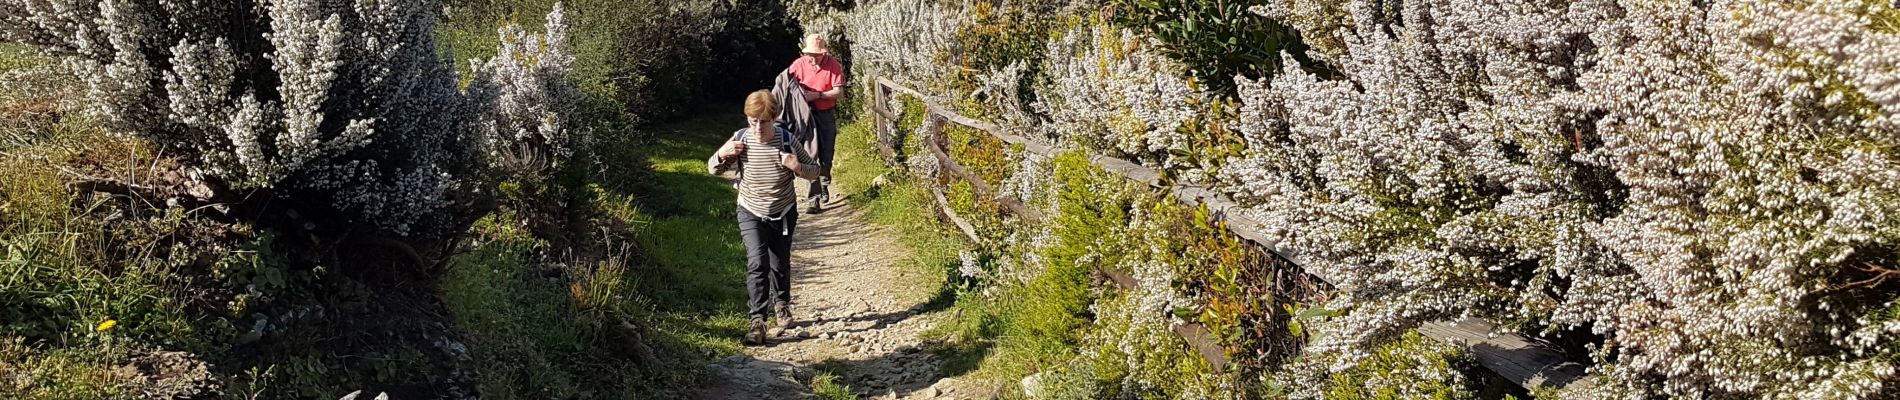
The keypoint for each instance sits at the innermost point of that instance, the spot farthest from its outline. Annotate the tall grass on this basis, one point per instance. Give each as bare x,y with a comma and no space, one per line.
642,321
85,284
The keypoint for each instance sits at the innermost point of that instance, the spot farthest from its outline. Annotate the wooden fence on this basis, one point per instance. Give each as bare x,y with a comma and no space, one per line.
1512,356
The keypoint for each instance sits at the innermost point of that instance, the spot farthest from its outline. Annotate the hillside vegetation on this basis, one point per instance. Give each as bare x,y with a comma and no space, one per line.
409,197
505,199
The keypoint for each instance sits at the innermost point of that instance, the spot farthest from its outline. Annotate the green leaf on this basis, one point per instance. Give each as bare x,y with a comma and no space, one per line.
1317,312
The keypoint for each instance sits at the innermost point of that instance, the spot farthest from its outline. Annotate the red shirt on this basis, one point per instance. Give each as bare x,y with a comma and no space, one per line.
819,77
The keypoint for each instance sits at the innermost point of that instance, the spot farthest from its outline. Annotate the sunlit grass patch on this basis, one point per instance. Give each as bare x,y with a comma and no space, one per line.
825,386
15,57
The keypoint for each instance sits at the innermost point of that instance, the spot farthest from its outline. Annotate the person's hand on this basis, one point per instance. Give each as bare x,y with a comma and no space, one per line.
811,95
734,151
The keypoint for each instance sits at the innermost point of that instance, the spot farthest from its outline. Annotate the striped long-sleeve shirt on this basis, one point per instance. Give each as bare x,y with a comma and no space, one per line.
765,185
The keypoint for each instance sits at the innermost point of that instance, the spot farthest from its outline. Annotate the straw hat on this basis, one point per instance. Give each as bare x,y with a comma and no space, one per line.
814,44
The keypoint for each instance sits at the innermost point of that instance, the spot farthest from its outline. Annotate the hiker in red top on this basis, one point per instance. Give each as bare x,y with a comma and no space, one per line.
823,79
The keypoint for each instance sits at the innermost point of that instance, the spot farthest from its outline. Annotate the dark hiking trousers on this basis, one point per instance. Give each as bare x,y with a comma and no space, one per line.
827,122
768,260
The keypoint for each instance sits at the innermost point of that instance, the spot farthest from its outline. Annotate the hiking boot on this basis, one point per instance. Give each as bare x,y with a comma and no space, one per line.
755,334
784,316
824,186
781,322
820,194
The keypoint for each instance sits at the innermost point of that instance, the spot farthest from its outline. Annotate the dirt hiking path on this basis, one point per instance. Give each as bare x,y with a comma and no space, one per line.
858,314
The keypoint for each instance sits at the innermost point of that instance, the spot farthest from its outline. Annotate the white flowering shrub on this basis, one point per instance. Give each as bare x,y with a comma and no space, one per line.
347,100
1708,186
902,40
1110,90
1004,89
1132,353
527,132
1696,183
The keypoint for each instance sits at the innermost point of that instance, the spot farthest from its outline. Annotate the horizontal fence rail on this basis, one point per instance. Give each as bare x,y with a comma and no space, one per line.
1510,355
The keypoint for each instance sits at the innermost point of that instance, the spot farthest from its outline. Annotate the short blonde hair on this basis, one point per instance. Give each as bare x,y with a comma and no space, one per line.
760,105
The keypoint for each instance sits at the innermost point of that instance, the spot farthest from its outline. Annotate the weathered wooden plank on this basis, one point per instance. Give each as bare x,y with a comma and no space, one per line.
1127,169
883,113
966,121
935,144
1202,340
993,129
1510,355
943,205
901,88
881,124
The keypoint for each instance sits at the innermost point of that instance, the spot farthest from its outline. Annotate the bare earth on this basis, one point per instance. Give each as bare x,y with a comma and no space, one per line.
857,313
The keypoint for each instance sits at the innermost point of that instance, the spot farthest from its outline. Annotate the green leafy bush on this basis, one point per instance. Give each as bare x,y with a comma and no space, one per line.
1413,367
1216,39
657,60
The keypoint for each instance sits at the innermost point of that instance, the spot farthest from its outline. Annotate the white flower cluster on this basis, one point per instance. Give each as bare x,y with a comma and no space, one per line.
1110,89
526,132
340,98
1148,262
903,39
970,267
1689,180
1022,250
1031,181
1003,88
1151,356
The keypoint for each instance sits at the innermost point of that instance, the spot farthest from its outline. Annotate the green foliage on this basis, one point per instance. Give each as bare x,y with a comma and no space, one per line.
96,290
1041,323
65,272
760,39
1210,140
524,333
1412,367
14,57
547,293
825,386
1884,17
1246,294
984,155
996,36
1050,322
1002,35
1216,39
988,159
656,60
1089,210
909,124
628,325
55,373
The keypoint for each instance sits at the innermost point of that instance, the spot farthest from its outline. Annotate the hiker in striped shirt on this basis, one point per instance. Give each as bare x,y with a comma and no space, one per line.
767,159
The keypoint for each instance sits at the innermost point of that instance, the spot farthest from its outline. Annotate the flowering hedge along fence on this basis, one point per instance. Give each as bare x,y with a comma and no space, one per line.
1700,196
